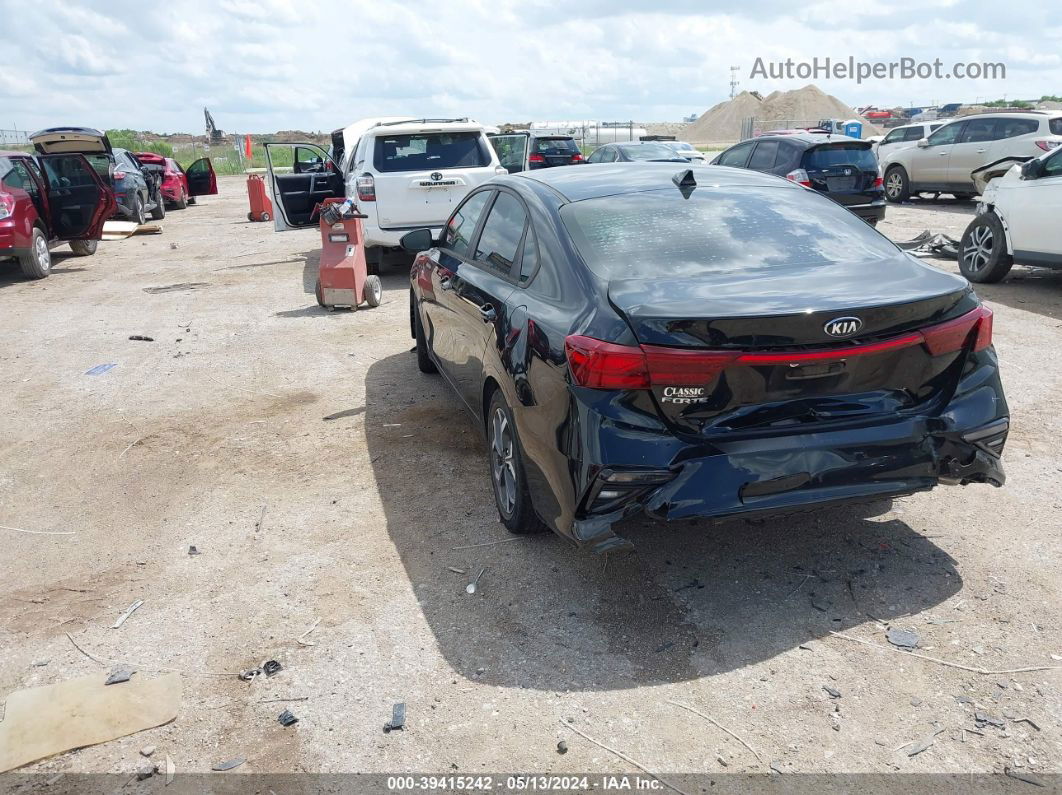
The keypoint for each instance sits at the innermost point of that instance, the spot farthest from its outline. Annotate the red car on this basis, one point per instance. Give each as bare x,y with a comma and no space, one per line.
47,200
180,187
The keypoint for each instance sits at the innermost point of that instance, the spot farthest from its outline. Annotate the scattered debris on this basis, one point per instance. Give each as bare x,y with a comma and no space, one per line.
471,587
904,638
916,747
621,755
562,747
488,543
982,719
229,764
1028,778
799,586
1027,720
776,766
128,612
147,750
302,642
39,532
398,718
40,663
928,244
938,661
141,338
171,770
261,518
100,369
665,646
455,570
832,692
267,668
192,550
715,723
119,675
42,721
916,702
145,771
720,760
173,288
286,719
271,667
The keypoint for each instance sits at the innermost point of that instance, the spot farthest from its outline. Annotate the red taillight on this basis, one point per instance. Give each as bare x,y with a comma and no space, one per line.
1047,146
799,176
7,205
606,365
952,335
878,181
577,157
366,187
536,158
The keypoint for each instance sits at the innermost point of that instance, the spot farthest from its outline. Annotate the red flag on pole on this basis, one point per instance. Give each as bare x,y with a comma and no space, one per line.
247,146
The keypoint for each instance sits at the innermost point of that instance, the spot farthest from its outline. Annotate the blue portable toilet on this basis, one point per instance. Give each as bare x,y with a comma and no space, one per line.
853,128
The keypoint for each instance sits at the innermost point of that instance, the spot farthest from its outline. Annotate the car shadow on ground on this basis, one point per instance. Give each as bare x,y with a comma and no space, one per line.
1032,289
697,599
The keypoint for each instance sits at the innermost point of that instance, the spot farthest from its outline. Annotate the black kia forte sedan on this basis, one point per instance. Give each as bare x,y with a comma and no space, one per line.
698,342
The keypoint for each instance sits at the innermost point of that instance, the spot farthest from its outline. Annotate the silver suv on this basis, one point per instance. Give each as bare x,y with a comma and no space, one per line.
942,162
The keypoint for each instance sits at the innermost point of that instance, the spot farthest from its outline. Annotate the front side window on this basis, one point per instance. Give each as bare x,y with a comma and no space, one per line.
947,134
423,151
463,222
1053,164
736,156
895,137
502,233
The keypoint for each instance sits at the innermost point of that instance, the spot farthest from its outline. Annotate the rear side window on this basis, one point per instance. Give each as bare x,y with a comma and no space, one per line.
981,130
1056,126
740,230
918,133
736,156
764,155
555,146
502,233
1015,127
463,222
822,157
430,151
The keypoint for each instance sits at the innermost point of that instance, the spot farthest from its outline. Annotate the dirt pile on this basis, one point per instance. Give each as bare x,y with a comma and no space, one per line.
802,107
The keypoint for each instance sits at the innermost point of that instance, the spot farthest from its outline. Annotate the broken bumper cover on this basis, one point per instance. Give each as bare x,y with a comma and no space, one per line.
784,474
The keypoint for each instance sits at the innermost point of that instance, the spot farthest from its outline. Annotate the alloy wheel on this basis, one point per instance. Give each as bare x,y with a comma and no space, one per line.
41,252
894,184
503,467
979,252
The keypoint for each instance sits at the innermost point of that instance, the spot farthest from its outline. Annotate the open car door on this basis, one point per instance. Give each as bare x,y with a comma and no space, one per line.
314,177
202,181
512,151
78,199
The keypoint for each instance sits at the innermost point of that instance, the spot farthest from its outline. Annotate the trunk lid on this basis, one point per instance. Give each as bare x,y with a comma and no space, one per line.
859,353
846,170
66,140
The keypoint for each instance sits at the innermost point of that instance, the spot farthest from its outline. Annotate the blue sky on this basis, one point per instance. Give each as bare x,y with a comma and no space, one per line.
267,65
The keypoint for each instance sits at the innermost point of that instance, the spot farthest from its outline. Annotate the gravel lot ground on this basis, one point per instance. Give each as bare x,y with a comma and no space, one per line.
322,477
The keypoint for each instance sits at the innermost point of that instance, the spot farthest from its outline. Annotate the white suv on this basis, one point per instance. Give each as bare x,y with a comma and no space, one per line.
942,162
1017,221
906,135
402,173
412,174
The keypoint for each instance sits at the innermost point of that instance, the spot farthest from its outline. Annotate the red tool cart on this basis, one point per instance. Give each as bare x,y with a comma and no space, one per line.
261,206
343,279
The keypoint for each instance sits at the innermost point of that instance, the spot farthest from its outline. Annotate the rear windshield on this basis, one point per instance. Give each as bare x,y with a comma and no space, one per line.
717,230
859,155
649,152
430,151
555,146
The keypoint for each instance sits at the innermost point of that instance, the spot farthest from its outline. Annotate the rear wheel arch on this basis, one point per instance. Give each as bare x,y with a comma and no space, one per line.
490,386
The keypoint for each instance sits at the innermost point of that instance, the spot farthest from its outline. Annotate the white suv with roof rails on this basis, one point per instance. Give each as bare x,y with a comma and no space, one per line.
403,174
942,162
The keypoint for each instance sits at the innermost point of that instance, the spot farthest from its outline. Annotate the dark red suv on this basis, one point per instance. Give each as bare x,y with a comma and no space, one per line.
47,200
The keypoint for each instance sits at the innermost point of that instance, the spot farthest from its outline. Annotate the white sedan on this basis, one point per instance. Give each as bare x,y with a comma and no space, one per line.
1017,221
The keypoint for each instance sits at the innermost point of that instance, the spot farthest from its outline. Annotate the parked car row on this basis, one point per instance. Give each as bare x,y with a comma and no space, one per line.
74,182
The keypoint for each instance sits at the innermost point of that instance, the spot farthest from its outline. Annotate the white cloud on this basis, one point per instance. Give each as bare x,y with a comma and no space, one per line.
264,65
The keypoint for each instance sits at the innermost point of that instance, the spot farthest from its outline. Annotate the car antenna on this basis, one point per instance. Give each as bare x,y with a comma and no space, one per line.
685,182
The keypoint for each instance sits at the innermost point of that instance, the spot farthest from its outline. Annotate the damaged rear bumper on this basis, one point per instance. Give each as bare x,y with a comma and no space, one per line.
783,474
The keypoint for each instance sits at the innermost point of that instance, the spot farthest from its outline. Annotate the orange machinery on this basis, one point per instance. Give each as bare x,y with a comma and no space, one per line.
343,279
261,206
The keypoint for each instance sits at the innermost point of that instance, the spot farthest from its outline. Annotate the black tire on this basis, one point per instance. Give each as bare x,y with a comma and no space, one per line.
250,216
84,248
319,292
964,197
373,257
983,256
191,200
897,184
138,216
37,263
182,202
424,361
159,212
266,217
873,222
507,474
373,291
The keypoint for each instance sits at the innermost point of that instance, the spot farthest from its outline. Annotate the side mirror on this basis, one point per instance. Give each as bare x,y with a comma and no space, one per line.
923,143
416,241
1032,169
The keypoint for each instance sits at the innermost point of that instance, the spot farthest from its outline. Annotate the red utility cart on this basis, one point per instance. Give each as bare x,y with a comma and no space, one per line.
342,276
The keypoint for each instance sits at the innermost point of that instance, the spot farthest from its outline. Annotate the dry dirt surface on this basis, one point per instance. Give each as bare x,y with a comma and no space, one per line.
327,484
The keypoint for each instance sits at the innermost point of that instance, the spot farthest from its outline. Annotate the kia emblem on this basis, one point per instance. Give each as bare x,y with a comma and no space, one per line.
843,326
435,175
